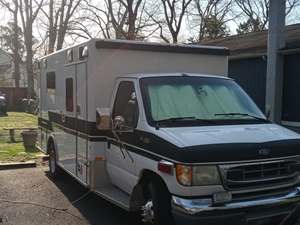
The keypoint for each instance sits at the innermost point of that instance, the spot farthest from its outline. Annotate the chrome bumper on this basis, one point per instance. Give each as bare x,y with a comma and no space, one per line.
196,206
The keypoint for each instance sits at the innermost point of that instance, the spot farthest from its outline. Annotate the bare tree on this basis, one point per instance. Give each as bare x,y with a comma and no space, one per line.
257,11
97,17
174,12
13,8
209,18
128,18
59,15
28,12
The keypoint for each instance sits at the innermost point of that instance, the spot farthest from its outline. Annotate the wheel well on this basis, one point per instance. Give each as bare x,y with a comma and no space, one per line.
147,176
138,194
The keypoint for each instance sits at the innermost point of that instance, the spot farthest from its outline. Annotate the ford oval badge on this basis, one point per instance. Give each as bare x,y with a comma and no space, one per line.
264,152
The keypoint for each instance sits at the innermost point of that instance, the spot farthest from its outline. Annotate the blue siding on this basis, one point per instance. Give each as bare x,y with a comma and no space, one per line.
251,75
291,88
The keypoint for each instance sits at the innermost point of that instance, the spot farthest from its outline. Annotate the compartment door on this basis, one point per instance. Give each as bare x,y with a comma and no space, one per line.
65,132
81,114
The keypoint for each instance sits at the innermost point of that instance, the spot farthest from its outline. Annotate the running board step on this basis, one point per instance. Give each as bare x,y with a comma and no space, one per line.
114,195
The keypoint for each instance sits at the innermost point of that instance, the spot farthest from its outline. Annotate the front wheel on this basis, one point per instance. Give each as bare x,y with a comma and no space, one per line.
157,209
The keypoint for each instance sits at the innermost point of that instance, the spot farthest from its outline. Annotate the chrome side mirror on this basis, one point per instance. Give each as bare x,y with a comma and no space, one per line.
103,119
119,123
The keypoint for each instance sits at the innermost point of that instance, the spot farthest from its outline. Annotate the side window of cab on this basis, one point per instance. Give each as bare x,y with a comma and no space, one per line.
126,105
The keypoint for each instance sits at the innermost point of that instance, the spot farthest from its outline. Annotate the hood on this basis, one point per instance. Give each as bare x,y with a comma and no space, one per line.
193,136
220,144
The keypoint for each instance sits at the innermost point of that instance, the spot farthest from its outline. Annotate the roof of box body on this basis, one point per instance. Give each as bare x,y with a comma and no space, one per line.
151,46
138,76
158,47
255,43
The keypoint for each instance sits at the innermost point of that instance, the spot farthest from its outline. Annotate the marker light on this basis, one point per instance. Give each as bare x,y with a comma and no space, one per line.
165,167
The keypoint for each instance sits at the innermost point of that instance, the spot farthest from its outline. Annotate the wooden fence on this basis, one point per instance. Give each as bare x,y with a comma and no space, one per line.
14,96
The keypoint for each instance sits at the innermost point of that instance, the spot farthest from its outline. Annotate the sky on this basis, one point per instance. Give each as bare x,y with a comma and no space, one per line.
294,17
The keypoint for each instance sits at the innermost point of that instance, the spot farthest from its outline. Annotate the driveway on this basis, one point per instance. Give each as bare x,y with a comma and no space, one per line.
30,197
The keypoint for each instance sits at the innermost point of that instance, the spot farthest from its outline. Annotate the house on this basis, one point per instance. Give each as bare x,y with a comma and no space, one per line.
6,71
248,66
7,82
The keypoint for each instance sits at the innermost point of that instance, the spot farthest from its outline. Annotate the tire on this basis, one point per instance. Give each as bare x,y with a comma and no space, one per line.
54,169
157,210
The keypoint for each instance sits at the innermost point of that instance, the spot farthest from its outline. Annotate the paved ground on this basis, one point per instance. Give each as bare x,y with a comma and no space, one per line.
24,186
30,197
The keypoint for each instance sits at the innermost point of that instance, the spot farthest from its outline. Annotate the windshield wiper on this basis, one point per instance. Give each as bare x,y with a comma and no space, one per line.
242,114
176,119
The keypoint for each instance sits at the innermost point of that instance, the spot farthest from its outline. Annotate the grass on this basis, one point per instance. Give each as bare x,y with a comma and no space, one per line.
11,152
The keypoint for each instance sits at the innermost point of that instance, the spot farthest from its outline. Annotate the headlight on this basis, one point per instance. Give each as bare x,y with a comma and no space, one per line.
206,175
197,175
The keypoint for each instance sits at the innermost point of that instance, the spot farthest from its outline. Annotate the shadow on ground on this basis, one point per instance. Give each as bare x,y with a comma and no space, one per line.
92,207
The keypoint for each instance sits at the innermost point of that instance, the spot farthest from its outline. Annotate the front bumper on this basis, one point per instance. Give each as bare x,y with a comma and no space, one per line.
281,208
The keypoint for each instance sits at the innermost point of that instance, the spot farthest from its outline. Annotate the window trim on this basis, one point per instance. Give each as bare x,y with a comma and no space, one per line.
70,55
115,98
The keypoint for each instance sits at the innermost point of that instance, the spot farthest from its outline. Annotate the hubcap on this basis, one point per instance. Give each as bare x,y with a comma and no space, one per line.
148,213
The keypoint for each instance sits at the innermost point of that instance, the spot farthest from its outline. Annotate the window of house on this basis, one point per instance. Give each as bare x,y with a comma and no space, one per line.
69,95
126,104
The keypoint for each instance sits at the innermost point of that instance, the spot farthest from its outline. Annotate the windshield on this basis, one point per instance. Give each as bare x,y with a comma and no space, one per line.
181,100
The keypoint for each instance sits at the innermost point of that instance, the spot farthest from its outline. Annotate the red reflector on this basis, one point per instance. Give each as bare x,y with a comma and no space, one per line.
165,167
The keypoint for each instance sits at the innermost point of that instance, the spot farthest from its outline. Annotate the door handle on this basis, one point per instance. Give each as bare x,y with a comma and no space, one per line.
78,109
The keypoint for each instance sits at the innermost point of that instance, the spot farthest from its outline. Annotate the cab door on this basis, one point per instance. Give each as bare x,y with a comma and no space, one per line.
120,162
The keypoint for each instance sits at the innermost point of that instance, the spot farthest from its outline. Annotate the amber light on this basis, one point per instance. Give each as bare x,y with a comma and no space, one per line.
184,175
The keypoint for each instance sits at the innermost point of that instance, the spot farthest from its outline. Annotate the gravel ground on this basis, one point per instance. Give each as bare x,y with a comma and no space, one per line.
30,197
54,201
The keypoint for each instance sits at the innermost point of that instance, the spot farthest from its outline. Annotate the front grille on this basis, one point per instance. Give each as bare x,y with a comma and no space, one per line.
262,174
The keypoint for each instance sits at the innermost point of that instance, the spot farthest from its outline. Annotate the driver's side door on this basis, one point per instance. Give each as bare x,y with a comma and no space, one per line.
120,162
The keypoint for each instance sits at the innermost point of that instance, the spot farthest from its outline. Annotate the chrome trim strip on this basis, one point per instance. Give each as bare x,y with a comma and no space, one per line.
195,206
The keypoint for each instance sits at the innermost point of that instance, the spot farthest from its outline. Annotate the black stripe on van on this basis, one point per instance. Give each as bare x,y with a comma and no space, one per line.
153,146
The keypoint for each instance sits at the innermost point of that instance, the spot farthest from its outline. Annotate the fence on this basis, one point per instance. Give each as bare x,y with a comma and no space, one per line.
14,96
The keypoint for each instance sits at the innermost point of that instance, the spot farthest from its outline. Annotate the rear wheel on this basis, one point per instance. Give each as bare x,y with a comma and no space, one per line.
157,209
54,170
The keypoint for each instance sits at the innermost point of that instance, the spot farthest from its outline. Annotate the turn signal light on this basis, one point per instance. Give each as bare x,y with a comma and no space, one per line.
184,175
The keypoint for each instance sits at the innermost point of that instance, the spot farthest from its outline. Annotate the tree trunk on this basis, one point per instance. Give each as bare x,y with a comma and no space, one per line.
60,38
51,28
131,21
16,56
29,61
175,37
